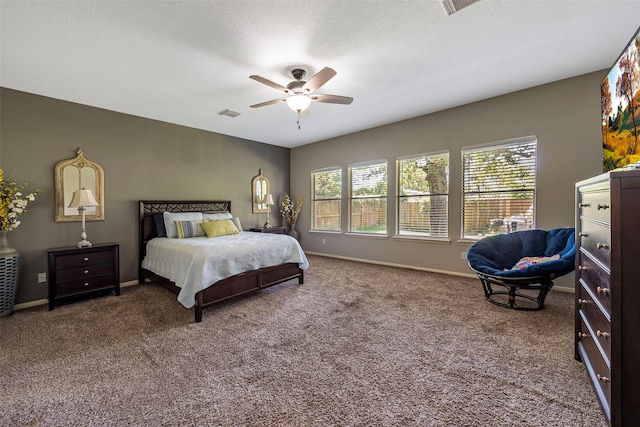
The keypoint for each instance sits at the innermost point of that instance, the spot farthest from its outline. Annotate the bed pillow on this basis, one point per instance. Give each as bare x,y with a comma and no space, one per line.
158,226
236,222
188,229
216,216
221,227
171,217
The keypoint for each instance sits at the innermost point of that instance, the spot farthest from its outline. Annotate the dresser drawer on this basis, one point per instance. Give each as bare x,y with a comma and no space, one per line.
86,271
596,205
599,371
598,326
597,280
87,258
595,239
85,285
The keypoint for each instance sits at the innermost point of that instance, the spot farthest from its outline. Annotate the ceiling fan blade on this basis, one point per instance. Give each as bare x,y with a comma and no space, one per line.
269,83
264,104
332,99
319,79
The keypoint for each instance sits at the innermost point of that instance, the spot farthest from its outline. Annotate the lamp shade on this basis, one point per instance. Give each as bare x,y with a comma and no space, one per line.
299,103
82,198
270,200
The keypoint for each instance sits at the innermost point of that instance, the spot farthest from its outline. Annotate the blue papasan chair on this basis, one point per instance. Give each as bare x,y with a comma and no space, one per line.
517,269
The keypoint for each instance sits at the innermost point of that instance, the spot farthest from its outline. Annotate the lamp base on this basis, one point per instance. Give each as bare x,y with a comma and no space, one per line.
267,225
84,244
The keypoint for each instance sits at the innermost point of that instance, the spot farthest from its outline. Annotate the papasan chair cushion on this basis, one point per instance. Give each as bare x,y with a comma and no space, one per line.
494,258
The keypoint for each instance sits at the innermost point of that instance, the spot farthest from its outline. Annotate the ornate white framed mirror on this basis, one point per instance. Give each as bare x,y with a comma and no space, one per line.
77,174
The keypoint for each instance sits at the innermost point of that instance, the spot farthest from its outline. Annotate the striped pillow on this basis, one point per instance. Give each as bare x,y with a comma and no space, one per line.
188,229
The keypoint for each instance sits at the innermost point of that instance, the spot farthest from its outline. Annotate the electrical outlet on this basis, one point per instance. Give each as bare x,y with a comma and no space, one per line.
324,241
464,255
42,277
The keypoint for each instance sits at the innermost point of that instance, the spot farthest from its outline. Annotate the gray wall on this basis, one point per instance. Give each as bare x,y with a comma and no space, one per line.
141,158
564,116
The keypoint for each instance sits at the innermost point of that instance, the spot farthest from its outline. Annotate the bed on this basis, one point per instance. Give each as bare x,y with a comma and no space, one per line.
220,278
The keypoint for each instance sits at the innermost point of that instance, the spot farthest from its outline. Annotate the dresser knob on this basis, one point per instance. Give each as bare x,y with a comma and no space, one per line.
582,234
602,206
583,335
584,205
86,258
86,284
602,378
582,301
601,334
602,291
86,272
582,268
602,246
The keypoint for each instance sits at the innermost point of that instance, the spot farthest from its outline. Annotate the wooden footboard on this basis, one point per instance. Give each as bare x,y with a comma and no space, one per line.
241,284
244,283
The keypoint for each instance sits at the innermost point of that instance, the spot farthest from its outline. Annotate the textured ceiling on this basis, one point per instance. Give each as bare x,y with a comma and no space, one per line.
184,62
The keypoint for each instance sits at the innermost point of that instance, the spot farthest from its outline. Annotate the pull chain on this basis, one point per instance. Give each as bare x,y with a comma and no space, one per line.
298,121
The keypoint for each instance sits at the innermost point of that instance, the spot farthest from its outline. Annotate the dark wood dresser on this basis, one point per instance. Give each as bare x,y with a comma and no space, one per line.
76,272
608,291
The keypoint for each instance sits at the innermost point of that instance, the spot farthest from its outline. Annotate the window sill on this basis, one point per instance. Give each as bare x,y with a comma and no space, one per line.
422,239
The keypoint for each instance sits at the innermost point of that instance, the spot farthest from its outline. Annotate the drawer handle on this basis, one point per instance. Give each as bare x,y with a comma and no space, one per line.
582,301
601,291
602,378
86,284
602,206
582,268
583,335
584,205
582,234
86,258
602,246
601,334
86,272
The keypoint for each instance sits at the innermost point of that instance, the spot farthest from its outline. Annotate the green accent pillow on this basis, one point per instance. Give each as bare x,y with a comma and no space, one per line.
222,227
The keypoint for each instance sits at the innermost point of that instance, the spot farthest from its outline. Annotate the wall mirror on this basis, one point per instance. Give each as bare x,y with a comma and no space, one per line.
75,174
259,190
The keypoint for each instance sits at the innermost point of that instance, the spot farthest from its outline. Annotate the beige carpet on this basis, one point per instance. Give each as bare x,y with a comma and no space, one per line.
356,345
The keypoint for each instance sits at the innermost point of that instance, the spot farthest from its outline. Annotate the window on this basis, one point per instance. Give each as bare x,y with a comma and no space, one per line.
327,195
368,198
499,188
423,195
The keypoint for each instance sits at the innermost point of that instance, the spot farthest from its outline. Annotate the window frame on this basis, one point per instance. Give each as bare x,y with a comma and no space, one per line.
428,194
350,199
315,199
523,220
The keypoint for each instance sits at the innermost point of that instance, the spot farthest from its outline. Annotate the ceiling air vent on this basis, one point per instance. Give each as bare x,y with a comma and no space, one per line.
229,113
452,6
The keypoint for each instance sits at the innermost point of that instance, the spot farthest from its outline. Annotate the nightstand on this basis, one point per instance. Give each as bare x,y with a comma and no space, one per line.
274,230
76,272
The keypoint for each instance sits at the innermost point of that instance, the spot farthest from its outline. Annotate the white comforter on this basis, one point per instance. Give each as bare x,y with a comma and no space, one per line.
194,264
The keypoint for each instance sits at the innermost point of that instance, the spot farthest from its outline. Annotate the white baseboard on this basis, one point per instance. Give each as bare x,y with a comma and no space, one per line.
413,267
37,302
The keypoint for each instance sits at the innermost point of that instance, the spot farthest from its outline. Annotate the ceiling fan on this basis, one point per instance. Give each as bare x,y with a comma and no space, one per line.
300,92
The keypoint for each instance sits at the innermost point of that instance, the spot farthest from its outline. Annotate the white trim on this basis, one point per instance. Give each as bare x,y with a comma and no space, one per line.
413,267
38,302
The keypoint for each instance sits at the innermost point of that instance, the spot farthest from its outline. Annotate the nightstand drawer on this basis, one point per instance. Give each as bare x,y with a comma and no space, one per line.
74,260
85,285
86,271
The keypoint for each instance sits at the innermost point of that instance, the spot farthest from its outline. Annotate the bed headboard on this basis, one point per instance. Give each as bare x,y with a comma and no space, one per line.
149,208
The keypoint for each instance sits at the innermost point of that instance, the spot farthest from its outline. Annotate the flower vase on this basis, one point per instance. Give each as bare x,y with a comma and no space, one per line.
9,273
292,231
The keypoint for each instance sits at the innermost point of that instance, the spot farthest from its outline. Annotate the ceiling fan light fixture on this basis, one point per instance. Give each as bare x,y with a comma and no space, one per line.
298,103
